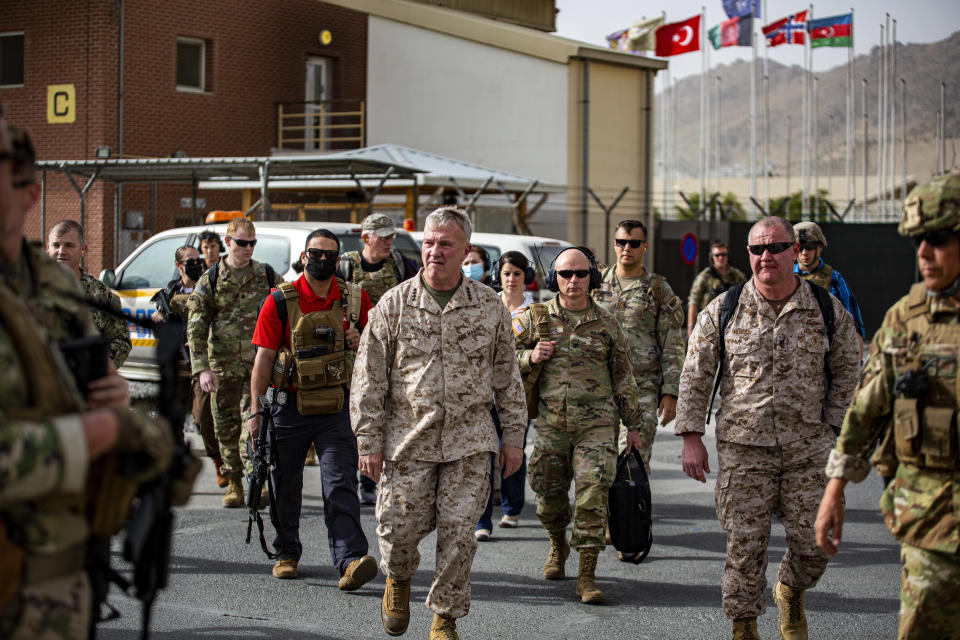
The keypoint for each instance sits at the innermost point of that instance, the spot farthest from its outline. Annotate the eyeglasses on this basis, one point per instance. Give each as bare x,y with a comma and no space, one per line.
773,247
330,255
934,238
720,255
567,274
243,243
809,246
24,182
634,244
191,262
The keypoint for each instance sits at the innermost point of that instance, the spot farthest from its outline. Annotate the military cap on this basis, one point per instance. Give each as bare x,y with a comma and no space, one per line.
932,206
378,223
809,232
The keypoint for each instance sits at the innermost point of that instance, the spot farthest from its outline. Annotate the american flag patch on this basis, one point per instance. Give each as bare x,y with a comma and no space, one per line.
518,326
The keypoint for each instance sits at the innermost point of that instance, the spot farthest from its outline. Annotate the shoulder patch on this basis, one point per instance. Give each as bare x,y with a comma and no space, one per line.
674,308
518,327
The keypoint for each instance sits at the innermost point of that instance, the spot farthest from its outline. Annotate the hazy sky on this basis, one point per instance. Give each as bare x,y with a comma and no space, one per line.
917,21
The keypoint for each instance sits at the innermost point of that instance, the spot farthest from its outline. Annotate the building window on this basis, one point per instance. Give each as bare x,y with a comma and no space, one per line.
11,58
191,64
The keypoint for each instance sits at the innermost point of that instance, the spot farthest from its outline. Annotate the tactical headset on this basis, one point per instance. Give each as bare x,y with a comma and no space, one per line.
595,277
529,274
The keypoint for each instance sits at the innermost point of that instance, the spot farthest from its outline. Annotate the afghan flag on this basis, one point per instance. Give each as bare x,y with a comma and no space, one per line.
735,32
789,30
835,31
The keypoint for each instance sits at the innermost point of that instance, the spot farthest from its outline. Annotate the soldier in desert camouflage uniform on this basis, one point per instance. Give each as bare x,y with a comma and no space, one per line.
436,354
773,431
66,246
47,437
908,401
711,282
652,319
586,389
219,331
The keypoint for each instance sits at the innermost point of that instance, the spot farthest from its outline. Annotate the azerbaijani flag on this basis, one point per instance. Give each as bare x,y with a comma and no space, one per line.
735,32
835,31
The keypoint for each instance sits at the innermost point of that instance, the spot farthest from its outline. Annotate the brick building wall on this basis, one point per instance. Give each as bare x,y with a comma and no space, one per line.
256,55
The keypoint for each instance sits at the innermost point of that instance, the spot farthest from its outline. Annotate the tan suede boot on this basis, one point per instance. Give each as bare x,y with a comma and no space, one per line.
443,628
745,629
395,607
793,621
554,568
233,499
586,587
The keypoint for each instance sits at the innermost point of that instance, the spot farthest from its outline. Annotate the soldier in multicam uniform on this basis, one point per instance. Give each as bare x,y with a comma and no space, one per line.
908,402
774,429
222,319
436,354
48,438
377,269
810,266
586,388
66,245
652,319
711,282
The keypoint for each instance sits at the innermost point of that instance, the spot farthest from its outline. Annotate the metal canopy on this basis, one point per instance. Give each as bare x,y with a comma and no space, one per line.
190,170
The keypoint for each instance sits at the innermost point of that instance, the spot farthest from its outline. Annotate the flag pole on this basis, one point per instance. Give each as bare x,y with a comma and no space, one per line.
808,63
717,129
766,110
863,84
815,117
891,88
881,125
851,139
753,122
903,140
703,105
803,134
665,143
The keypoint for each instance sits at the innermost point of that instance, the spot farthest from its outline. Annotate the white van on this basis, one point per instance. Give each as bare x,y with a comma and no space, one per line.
151,266
540,251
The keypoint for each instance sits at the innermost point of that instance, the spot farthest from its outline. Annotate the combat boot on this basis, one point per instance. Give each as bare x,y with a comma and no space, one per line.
745,629
234,496
793,621
395,607
553,569
586,586
443,628
222,481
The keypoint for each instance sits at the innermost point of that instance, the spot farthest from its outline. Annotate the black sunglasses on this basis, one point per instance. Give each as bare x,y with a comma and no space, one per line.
330,255
773,247
934,238
191,262
567,274
809,246
721,255
243,243
634,244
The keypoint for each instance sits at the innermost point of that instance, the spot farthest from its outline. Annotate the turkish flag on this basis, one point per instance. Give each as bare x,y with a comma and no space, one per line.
678,37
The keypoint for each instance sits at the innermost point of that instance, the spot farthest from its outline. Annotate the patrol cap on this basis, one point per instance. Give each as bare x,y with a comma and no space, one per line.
378,223
812,233
932,206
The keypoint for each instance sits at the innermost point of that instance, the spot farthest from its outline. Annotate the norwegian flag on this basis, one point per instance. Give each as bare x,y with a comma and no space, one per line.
789,30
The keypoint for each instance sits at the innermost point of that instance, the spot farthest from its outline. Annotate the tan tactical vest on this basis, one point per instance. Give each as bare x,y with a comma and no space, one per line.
823,277
317,362
50,391
925,427
375,283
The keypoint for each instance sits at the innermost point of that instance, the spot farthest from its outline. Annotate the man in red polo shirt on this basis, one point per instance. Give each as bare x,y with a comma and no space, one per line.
307,328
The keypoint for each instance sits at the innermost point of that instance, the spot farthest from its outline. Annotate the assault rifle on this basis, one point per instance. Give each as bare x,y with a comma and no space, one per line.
149,528
163,299
262,459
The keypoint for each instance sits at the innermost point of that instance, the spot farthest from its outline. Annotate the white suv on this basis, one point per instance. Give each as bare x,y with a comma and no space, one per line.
151,266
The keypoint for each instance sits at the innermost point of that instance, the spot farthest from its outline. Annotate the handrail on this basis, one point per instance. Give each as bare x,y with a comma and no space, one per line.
321,125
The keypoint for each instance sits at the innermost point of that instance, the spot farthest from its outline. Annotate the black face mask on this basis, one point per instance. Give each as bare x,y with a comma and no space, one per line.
320,269
194,271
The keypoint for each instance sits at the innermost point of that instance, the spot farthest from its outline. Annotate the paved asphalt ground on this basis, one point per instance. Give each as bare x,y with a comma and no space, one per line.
222,588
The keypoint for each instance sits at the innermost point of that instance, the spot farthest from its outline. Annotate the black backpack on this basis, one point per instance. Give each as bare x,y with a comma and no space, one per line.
629,517
730,305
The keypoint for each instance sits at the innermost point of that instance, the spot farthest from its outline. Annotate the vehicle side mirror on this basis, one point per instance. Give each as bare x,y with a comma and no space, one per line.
108,277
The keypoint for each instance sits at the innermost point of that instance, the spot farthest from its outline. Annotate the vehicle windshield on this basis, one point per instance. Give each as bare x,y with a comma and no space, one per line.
274,250
545,254
402,243
153,267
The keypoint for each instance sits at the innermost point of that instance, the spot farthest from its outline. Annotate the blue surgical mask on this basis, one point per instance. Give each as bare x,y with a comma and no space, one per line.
473,271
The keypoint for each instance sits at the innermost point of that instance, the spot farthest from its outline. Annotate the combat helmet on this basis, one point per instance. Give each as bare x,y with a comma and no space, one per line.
809,232
932,206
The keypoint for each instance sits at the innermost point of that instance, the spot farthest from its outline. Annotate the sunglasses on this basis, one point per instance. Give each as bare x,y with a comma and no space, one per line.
567,274
330,255
773,247
243,243
720,255
634,244
934,238
191,262
809,246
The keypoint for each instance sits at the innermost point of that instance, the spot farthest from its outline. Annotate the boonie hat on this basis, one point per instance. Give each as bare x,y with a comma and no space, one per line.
932,206
809,232
378,223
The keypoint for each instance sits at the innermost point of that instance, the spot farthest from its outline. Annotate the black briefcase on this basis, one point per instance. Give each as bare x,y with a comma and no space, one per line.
630,520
